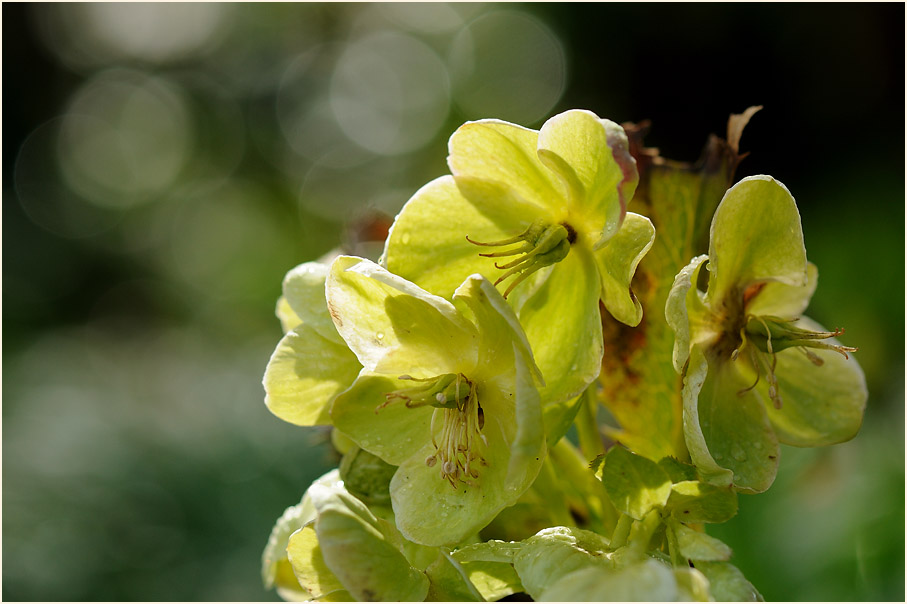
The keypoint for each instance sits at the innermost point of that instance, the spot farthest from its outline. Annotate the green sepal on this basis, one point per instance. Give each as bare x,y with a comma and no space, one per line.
308,564
727,583
692,585
617,261
394,326
427,243
592,157
692,501
563,325
755,236
821,405
367,476
685,311
355,549
636,485
303,291
304,375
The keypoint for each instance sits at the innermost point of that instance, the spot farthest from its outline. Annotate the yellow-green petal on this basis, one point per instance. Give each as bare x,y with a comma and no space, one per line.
499,330
735,427
303,290
304,375
496,166
428,510
617,261
781,300
755,236
563,324
393,433
427,243
355,549
696,545
635,485
727,583
592,156
288,318
396,327
821,405
555,552
685,312
312,573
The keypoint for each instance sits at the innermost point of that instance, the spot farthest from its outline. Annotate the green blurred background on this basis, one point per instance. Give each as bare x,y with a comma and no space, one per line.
165,164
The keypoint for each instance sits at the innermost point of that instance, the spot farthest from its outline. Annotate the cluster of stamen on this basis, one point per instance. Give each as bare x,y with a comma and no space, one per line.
459,446
769,335
539,246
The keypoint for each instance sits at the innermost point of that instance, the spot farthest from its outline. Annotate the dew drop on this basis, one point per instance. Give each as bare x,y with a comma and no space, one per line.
405,239
379,335
738,453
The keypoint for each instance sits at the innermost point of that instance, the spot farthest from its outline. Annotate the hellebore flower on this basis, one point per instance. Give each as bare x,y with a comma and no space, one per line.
447,393
543,215
311,363
756,372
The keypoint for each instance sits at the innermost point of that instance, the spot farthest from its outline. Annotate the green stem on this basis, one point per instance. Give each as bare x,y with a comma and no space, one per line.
643,531
677,559
548,488
621,532
590,440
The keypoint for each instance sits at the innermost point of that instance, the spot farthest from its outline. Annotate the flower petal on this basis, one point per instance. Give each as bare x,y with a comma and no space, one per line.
782,300
735,427
617,261
429,511
496,166
303,289
427,243
498,328
563,324
355,548
304,375
592,156
288,318
685,311
646,581
395,327
394,432
755,236
312,573
820,405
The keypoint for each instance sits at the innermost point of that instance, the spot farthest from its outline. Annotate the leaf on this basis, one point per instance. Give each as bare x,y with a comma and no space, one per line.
636,485
646,581
558,417
699,546
448,582
677,470
698,502
555,552
727,583
367,476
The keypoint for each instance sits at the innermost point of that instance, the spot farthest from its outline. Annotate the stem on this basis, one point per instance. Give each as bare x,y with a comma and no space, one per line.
677,559
621,532
590,440
643,531
546,485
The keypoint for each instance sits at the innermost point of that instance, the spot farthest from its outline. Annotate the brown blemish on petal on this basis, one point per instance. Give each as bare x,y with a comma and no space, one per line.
335,315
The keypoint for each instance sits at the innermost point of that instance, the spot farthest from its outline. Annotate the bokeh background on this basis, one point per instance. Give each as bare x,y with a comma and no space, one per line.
165,164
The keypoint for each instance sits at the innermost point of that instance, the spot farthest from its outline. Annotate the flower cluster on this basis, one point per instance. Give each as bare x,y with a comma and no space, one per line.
451,369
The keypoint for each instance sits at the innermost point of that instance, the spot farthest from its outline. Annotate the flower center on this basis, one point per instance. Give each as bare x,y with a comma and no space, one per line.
459,446
537,247
769,335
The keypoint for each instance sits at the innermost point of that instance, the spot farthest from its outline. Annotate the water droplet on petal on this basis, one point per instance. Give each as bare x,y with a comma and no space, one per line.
379,335
738,453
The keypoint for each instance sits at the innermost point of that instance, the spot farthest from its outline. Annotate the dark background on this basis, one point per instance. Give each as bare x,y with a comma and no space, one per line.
165,165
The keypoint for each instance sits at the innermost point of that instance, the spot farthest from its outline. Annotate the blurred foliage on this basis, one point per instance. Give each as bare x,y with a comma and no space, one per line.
165,164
